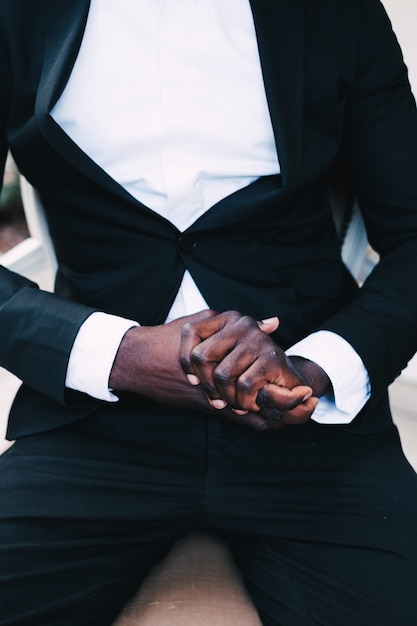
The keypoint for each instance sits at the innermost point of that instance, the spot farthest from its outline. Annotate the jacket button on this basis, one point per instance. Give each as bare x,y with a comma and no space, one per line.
186,244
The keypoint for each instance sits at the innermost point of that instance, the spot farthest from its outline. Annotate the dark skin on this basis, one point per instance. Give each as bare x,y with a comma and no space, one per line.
225,364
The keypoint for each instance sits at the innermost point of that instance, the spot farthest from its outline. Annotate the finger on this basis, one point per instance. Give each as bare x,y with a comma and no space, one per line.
269,367
246,369
227,375
276,397
195,331
205,358
269,325
299,415
217,403
195,318
193,379
252,361
220,359
250,420
219,362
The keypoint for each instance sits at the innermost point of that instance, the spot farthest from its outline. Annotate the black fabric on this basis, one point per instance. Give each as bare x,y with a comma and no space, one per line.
97,493
321,522
335,83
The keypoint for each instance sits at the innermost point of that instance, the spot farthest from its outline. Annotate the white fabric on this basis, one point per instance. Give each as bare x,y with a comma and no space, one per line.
347,373
181,82
172,77
93,353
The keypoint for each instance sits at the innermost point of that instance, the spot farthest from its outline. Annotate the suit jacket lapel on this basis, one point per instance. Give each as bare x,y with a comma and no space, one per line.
64,25
280,31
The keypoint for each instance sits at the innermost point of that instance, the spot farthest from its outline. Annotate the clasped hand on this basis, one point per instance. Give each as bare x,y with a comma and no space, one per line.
239,366
219,362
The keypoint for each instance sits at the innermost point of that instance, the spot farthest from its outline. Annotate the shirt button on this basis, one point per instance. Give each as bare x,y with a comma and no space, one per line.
186,244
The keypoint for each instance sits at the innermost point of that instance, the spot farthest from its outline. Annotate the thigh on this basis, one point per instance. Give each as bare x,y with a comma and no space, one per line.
296,583
56,573
85,512
334,542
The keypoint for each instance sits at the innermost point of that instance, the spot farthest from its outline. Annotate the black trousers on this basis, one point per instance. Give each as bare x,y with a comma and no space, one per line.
322,523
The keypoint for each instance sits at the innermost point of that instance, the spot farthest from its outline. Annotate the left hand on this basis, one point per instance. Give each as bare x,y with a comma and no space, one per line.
238,364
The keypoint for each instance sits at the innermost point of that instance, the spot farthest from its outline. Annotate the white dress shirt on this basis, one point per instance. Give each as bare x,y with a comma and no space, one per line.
168,98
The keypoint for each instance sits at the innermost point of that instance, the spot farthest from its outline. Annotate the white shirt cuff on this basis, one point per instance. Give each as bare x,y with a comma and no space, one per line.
93,354
347,373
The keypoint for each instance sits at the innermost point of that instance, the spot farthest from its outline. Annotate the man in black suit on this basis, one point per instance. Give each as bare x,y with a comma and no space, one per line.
182,152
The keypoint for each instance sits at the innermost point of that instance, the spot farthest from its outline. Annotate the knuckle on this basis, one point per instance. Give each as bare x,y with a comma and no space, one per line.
248,322
198,357
187,330
274,356
221,376
184,362
245,384
262,399
233,315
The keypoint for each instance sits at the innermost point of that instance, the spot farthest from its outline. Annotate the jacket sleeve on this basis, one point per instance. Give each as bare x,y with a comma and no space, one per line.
37,329
381,145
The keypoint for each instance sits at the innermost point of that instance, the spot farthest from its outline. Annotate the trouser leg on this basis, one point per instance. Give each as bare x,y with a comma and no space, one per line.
72,574
323,526
297,583
86,511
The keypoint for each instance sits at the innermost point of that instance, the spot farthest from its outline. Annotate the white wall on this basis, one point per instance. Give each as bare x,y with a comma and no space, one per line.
403,14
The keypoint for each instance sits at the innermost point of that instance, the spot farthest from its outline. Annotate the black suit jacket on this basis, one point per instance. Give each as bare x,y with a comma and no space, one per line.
336,87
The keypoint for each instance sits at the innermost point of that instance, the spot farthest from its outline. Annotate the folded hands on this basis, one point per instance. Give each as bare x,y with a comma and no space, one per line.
220,362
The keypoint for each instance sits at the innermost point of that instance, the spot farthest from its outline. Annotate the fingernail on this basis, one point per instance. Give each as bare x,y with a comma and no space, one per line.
307,396
240,412
270,320
193,380
218,404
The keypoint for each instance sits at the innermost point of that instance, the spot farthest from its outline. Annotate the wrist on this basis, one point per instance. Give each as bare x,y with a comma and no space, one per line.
125,365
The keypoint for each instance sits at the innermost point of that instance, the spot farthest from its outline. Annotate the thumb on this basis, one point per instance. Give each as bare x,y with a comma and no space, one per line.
269,325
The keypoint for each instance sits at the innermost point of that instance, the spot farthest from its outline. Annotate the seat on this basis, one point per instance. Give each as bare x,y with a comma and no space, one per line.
197,583
35,256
